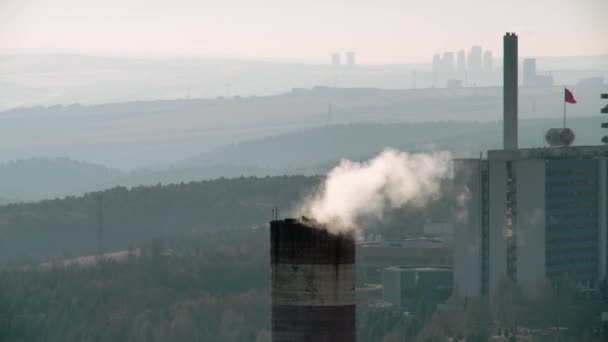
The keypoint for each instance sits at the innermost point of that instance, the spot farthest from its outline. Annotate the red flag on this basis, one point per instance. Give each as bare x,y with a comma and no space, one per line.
568,97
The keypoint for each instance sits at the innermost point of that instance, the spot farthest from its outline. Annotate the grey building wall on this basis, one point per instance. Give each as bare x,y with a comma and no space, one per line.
467,237
487,61
391,286
498,259
602,222
572,247
571,152
529,72
403,286
530,226
536,249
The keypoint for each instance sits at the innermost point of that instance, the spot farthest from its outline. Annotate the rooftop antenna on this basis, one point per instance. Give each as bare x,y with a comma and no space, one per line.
275,213
330,110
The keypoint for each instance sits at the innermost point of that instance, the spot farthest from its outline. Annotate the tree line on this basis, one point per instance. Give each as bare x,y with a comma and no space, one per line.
68,226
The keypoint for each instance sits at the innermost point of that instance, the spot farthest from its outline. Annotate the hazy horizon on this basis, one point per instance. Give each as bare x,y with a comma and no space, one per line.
385,32
287,60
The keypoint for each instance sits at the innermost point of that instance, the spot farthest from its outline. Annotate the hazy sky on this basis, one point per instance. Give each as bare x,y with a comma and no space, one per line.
380,31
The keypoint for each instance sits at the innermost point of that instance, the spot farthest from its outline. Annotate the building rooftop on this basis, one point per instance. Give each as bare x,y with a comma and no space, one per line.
420,242
571,152
420,268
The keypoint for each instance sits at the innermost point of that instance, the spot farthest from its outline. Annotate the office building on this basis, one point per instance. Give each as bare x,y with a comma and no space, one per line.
436,67
350,59
373,257
453,84
474,60
461,63
335,59
531,78
443,231
591,82
403,285
487,61
532,215
447,64
529,72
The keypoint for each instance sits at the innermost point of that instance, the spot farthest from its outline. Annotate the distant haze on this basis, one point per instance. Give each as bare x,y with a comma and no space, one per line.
382,31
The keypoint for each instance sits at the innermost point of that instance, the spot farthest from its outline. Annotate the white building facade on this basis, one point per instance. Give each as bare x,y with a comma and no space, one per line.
531,215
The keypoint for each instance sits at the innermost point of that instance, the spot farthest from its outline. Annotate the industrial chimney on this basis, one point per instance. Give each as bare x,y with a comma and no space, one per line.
312,283
510,91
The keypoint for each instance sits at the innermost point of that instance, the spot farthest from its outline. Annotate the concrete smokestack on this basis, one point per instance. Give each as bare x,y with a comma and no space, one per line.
510,91
312,283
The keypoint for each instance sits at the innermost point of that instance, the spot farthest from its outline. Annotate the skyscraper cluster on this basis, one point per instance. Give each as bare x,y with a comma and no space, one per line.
471,67
336,59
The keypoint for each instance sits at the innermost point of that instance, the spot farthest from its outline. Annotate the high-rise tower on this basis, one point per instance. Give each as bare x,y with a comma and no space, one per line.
350,59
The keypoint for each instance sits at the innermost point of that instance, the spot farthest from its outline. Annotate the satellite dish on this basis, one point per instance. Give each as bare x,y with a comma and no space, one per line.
559,137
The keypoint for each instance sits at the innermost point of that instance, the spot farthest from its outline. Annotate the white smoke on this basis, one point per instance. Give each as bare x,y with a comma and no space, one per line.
354,191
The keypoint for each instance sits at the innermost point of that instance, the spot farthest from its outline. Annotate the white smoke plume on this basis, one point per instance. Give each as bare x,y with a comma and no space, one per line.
353,191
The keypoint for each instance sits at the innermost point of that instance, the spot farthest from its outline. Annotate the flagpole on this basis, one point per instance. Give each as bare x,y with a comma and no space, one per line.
564,108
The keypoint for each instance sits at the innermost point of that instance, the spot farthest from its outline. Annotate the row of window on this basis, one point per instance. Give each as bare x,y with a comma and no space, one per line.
569,172
571,182
566,194
570,256
579,204
572,239
574,261
585,214
571,273
560,227
566,251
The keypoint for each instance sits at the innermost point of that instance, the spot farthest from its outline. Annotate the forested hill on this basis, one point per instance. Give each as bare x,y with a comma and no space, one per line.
135,134
308,151
37,178
363,140
68,227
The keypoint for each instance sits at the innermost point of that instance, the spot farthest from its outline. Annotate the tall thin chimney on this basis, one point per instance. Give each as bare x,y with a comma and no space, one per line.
312,283
510,91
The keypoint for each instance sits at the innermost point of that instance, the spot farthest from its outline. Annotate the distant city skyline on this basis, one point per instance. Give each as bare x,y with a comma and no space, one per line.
381,32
